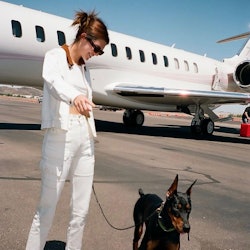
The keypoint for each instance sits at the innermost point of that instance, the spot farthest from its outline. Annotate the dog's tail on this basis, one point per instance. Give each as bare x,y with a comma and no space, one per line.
141,193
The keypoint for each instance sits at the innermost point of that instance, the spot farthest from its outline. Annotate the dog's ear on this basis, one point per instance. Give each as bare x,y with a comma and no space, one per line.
188,192
173,188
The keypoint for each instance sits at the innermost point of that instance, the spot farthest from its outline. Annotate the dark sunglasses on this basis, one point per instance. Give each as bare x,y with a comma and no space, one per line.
96,48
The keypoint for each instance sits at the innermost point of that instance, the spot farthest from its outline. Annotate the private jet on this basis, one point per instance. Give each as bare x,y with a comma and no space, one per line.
133,74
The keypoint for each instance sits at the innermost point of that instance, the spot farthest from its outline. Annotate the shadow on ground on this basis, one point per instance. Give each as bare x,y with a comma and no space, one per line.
55,245
20,126
162,130
171,131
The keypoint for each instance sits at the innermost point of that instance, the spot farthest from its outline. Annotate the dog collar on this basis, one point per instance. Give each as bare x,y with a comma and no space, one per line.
161,224
163,227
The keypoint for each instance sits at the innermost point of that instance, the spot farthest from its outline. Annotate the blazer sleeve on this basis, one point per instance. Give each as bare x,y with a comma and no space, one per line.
55,63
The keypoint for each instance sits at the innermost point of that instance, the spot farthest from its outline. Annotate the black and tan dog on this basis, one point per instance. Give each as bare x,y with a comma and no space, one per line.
164,221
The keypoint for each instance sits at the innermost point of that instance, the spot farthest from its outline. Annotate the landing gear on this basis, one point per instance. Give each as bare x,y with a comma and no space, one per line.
204,126
133,118
207,126
200,124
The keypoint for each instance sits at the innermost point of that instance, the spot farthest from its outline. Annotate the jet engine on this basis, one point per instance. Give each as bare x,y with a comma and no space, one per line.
242,74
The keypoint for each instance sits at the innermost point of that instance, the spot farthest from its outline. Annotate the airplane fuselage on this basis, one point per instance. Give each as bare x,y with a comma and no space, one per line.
133,73
126,59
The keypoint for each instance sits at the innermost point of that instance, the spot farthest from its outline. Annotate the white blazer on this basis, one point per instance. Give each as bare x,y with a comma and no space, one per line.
62,84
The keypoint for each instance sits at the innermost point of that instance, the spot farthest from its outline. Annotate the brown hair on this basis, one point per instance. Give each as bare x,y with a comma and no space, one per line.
90,24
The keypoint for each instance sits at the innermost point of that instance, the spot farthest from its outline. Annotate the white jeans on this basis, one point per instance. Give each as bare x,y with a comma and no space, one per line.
65,154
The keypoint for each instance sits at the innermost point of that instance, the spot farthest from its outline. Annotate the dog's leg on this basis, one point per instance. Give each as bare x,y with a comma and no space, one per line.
147,244
173,246
137,235
138,220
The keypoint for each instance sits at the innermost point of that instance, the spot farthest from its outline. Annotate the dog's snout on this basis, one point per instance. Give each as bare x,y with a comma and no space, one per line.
186,228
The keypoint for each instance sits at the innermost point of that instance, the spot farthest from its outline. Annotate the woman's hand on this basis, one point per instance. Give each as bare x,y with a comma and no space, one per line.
83,105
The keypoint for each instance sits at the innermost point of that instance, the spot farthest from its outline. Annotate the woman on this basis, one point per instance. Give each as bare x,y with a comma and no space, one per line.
67,118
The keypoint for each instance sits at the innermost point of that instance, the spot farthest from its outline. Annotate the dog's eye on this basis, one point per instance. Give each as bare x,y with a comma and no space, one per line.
188,207
175,212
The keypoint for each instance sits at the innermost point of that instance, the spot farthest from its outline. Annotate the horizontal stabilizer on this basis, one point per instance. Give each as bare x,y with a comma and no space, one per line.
232,38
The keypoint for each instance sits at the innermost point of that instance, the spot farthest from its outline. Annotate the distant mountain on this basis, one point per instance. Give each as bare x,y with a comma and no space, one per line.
18,90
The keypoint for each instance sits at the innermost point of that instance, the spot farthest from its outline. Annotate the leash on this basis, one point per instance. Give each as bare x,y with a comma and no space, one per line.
106,219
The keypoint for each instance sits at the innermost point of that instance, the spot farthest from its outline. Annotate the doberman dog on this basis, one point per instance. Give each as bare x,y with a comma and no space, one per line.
164,221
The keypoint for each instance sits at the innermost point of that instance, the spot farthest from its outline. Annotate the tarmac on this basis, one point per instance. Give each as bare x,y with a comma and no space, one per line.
126,160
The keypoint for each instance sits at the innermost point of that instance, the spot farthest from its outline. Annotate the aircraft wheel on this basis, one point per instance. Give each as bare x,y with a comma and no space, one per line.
127,117
195,129
207,126
138,118
133,118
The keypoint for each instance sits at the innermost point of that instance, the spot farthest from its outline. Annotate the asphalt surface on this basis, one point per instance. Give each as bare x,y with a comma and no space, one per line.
128,159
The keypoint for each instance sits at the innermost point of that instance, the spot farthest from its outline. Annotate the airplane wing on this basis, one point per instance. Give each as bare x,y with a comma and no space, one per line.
179,96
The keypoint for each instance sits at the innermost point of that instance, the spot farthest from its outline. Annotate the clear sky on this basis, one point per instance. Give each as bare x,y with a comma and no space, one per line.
191,25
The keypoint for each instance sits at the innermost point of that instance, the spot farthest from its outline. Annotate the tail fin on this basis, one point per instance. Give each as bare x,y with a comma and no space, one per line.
244,53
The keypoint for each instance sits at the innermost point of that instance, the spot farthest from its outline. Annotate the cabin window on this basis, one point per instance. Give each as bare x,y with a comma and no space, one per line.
16,28
154,58
128,53
176,63
142,56
165,59
113,49
40,36
61,38
195,67
186,65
